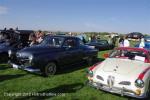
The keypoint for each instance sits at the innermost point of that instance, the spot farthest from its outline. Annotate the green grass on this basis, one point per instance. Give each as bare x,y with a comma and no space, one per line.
66,85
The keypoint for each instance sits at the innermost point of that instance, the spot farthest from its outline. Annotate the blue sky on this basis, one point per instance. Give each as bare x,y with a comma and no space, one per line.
121,16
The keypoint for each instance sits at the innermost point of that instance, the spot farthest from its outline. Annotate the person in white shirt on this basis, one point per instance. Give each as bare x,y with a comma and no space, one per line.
126,42
142,43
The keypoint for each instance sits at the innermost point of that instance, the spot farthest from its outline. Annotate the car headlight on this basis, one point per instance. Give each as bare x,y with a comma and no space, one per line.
30,58
9,53
139,83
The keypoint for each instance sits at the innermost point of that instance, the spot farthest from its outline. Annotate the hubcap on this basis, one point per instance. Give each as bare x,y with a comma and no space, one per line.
51,69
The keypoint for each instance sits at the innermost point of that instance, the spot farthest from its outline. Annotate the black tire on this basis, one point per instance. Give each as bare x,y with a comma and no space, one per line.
50,69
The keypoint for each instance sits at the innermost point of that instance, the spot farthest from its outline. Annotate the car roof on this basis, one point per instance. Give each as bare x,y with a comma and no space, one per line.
18,31
98,40
25,31
64,36
137,33
133,48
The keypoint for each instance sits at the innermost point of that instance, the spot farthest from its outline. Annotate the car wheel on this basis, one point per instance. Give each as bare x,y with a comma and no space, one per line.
50,69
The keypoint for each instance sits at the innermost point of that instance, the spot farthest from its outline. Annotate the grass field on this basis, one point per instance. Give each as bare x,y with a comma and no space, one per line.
69,84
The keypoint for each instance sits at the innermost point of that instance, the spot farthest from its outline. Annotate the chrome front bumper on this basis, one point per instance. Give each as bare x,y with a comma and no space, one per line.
26,68
121,91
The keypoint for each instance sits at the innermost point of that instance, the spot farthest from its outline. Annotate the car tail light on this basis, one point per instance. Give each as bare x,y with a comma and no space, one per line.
138,92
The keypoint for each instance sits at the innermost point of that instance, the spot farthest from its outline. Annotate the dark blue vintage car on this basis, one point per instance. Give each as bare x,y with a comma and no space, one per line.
52,54
100,44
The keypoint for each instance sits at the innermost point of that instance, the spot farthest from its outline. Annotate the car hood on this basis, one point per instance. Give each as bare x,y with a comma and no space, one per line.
119,66
93,44
39,49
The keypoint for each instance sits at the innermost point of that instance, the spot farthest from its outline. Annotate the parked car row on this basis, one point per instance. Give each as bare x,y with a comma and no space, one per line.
100,45
125,70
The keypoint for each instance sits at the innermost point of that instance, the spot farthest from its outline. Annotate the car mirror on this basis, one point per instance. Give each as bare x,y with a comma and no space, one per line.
106,55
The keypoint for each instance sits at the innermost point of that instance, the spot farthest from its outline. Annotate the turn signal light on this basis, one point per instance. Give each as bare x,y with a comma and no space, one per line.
138,92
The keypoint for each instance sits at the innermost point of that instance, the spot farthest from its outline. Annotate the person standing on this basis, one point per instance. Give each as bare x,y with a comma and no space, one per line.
39,36
109,40
114,40
126,42
90,38
142,43
32,39
83,40
121,41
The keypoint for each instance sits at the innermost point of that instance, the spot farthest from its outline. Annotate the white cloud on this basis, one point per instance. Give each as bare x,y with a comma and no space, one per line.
3,10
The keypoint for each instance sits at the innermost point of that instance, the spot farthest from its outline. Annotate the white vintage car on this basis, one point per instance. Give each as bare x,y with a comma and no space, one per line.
125,71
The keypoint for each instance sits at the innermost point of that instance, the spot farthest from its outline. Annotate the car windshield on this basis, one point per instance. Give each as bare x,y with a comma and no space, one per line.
129,54
52,41
99,41
102,41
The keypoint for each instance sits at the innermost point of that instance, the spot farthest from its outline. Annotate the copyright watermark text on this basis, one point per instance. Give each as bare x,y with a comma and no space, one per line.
33,94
